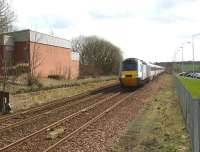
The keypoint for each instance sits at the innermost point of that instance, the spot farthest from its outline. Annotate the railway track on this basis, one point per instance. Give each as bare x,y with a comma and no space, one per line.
73,123
12,122
26,127
48,106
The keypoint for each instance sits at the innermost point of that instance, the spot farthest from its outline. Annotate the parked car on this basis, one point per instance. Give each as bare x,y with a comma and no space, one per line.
188,74
182,73
196,75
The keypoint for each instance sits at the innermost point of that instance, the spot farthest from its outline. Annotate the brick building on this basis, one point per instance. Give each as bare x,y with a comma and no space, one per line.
46,54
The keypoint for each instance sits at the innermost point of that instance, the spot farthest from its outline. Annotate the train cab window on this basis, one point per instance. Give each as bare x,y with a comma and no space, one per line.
127,66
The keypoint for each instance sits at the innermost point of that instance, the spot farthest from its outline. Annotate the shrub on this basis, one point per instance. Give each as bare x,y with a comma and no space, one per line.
56,77
18,69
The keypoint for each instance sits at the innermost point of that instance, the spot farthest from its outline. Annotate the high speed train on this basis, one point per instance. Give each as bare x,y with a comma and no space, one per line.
135,72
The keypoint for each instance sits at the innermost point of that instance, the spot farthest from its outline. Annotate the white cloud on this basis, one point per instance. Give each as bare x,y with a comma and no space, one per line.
147,29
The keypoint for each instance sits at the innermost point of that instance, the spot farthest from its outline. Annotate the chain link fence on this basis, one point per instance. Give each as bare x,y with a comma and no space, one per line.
191,113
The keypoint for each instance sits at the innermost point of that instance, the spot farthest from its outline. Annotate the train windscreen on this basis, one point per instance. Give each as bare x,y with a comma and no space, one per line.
129,65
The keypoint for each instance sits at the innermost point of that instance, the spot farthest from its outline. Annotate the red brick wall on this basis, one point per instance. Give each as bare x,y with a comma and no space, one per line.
74,69
47,60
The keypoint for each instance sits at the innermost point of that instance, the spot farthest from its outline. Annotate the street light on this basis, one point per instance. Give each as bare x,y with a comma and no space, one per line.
175,69
182,52
193,36
182,58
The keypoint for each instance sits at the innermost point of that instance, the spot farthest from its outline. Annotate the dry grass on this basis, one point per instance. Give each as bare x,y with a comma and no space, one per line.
27,100
48,84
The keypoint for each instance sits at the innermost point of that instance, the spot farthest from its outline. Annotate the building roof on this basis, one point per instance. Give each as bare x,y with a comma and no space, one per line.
37,37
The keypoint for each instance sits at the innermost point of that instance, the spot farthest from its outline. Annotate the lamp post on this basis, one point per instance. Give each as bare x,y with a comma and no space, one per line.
182,58
182,51
193,36
174,66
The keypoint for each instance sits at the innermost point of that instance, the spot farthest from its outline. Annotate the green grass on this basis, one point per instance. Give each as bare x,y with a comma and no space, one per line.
193,85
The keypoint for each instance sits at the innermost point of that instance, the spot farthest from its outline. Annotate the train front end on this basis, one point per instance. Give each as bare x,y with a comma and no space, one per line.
128,75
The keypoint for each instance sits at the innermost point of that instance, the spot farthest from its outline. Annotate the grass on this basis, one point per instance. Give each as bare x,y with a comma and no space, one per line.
52,82
192,85
30,99
49,84
158,128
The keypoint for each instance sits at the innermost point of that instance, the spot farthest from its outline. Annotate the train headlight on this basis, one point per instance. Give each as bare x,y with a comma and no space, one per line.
122,76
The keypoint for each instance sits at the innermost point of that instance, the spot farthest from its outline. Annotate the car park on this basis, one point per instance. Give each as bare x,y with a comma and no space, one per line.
190,74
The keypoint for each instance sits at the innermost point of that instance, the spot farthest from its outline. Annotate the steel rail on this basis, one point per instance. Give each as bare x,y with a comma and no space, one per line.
58,122
88,123
56,102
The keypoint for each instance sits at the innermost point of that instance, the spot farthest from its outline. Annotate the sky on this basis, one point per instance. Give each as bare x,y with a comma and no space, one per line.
151,30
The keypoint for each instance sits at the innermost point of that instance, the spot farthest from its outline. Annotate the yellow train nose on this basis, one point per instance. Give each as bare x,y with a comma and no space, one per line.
129,78
128,81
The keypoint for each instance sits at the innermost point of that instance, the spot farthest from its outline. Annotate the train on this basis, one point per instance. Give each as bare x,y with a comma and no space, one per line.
135,72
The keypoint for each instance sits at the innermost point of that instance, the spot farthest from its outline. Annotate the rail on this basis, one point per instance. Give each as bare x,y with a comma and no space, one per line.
59,122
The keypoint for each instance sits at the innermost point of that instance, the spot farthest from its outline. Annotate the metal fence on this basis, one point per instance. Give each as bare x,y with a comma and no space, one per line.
191,113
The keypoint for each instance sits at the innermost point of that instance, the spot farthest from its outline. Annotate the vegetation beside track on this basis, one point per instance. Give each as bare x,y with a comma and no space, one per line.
158,128
193,85
20,86
30,99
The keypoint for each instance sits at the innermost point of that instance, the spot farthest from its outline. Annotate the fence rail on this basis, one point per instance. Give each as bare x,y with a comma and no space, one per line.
191,113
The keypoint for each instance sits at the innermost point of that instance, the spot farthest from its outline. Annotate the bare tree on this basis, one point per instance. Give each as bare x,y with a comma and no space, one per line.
77,44
7,16
5,63
35,58
97,56
4,71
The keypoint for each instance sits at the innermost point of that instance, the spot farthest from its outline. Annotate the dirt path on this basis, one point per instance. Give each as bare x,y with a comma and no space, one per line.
159,127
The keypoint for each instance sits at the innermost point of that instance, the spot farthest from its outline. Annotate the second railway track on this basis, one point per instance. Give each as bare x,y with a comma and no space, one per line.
32,112
37,141
12,134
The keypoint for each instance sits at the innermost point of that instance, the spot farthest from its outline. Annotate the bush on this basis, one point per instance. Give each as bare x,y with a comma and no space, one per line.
56,77
32,81
18,69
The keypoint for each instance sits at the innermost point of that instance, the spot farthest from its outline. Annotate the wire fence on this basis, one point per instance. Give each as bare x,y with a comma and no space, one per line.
191,113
